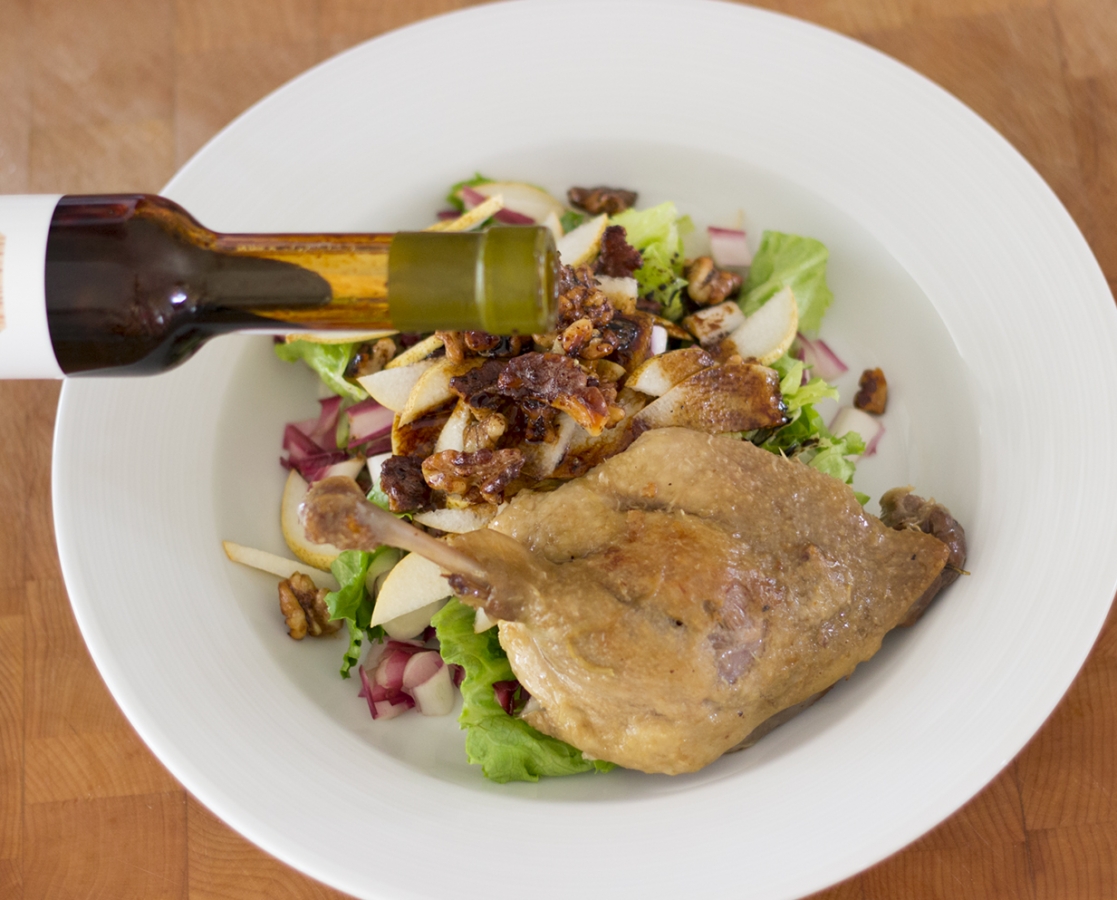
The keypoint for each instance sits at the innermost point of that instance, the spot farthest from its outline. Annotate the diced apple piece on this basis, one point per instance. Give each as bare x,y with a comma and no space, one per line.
433,388
277,565
622,292
390,387
318,555
552,222
736,396
578,247
471,218
768,333
452,436
715,323
659,374
526,199
457,521
413,583
414,623
415,352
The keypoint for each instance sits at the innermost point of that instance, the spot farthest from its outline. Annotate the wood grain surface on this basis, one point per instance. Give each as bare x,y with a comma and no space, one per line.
113,95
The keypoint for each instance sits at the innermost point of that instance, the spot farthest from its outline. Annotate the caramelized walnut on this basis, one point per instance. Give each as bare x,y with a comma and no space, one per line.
707,284
482,475
369,358
618,258
304,607
872,395
601,199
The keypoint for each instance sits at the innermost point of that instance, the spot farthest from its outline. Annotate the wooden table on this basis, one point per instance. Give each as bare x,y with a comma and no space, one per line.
113,95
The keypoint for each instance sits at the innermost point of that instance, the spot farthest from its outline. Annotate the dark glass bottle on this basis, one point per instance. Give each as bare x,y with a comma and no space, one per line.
134,285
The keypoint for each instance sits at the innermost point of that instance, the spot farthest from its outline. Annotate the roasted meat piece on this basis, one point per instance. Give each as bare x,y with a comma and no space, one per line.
669,603
901,509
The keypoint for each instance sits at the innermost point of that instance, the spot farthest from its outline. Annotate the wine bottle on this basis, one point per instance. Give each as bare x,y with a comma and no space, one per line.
132,284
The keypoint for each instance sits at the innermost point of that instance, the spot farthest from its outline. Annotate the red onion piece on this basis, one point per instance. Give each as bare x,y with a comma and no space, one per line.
472,198
368,421
505,694
435,695
457,674
366,690
421,667
823,362
728,247
446,215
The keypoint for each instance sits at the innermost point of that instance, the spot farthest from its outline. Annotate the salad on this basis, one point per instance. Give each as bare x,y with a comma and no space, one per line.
445,428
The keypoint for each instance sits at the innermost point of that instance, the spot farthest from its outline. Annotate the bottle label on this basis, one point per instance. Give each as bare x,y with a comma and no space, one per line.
25,346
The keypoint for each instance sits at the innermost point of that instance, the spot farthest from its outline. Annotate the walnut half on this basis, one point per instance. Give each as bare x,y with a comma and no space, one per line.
304,607
707,284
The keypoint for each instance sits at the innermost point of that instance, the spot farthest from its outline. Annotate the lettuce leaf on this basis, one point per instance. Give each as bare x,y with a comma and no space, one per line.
506,748
789,260
328,360
352,602
655,232
805,437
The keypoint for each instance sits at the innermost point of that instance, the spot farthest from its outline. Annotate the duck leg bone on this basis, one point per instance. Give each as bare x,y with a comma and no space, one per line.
337,512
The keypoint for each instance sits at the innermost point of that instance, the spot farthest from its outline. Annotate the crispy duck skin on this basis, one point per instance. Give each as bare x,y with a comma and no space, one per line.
667,604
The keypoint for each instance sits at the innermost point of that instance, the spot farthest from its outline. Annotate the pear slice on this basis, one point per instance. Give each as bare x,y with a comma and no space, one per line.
457,521
411,625
554,225
277,565
470,218
768,333
525,199
433,387
392,387
413,583
452,436
715,323
578,247
656,376
321,556
415,352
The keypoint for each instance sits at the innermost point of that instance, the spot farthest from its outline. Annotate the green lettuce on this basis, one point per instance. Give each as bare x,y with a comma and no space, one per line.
805,437
328,360
352,602
789,260
655,232
506,748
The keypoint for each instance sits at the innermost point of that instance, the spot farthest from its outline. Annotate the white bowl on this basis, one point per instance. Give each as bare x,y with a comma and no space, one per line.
954,268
